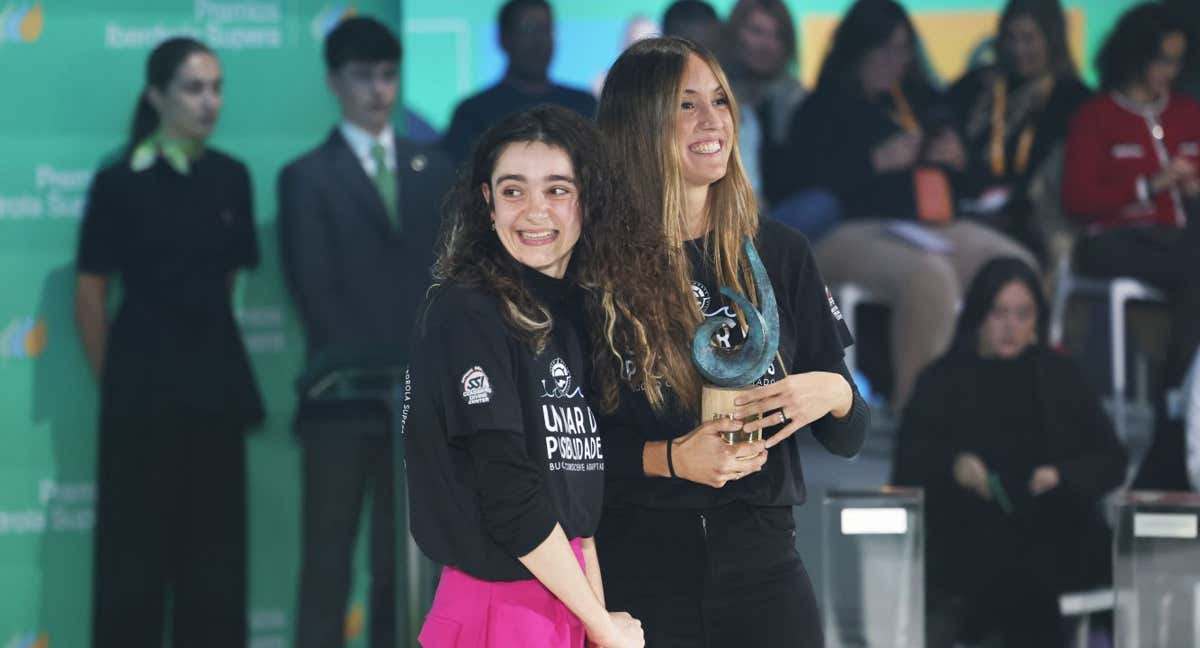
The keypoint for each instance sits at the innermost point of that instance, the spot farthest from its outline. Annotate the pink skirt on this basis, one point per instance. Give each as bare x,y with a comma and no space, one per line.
472,613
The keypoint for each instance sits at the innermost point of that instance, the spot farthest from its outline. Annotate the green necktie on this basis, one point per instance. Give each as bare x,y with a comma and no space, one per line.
385,182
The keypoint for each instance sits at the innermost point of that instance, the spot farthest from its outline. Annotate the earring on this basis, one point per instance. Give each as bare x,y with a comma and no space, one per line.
493,226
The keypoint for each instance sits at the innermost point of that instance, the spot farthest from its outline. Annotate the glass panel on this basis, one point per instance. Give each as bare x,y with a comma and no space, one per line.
873,568
1156,569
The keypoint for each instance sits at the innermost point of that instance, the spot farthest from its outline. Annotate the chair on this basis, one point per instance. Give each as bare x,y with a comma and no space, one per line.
849,296
1084,605
1119,292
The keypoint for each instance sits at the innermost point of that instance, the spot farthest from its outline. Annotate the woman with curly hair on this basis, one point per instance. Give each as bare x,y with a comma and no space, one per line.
504,460
698,538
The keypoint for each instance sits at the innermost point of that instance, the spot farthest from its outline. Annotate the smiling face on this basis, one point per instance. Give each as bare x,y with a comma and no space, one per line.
535,205
761,46
188,107
704,134
1011,325
1026,46
1160,74
883,67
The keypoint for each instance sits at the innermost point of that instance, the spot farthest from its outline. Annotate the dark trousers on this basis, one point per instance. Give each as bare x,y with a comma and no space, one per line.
1170,260
339,471
714,578
170,525
1013,608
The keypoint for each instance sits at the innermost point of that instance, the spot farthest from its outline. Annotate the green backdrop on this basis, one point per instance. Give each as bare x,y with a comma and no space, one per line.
70,70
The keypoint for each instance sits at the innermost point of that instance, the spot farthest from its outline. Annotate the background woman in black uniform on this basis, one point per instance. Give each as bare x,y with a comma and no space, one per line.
1015,454
173,220
505,467
697,537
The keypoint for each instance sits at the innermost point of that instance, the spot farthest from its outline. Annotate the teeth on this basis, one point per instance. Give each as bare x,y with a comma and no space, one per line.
539,236
706,147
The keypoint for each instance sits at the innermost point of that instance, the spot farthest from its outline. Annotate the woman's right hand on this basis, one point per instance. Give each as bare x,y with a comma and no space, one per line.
971,473
622,631
1179,173
897,152
703,456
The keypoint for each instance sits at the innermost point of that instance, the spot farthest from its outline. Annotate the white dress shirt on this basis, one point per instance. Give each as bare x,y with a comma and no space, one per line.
361,141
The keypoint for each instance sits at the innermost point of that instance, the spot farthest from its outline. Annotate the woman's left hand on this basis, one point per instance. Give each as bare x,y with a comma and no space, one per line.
797,400
1044,479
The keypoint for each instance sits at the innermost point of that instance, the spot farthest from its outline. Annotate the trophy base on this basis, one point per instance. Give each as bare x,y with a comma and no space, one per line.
717,402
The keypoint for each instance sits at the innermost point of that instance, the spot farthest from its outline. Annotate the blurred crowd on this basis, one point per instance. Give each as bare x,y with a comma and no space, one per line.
962,207
958,204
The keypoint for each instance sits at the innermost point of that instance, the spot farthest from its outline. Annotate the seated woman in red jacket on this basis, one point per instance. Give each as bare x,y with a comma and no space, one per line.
1131,176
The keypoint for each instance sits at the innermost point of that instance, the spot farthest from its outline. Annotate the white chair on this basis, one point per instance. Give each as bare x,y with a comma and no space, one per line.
1118,292
1084,605
849,297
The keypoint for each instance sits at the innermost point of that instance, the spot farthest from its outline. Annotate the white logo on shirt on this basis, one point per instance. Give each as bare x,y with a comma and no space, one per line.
700,292
560,376
833,307
477,390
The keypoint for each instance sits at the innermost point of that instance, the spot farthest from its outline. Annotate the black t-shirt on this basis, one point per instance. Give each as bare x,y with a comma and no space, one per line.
477,500
812,338
173,240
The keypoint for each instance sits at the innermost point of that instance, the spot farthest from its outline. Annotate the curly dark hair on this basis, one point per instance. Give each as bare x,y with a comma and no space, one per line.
602,262
1135,42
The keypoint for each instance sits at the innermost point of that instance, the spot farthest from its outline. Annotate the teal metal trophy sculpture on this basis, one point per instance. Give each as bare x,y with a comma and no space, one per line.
730,371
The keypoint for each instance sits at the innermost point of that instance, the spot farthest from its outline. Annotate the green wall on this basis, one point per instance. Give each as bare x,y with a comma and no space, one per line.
70,72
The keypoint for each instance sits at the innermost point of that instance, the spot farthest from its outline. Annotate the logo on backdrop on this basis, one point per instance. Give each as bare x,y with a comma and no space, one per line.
62,507
24,337
29,640
223,24
476,388
59,192
329,17
21,22
262,329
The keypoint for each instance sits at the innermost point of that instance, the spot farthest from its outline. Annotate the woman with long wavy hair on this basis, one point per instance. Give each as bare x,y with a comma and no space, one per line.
697,536
504,463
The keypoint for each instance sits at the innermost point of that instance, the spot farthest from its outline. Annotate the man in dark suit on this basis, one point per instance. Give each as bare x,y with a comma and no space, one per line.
527,38
358,219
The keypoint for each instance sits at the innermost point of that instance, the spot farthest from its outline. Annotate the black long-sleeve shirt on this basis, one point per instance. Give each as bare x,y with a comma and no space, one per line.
812,338
1016,415
832,137
501,443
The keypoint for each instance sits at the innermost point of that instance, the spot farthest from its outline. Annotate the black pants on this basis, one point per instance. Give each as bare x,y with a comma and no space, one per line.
339,471
1022,614
1170,260
715,578
170,524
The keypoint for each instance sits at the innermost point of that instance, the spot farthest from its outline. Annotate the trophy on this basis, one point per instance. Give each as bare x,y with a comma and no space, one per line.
728,372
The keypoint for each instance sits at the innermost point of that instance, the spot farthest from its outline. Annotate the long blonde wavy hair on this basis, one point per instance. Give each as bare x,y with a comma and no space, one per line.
638,110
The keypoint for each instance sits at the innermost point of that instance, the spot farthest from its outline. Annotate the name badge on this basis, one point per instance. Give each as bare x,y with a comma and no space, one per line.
1127,151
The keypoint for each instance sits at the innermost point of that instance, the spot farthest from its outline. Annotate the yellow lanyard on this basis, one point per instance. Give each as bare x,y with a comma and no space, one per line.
1024,140
904,115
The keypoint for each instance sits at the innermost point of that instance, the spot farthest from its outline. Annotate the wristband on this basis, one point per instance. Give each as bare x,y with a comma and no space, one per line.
670,463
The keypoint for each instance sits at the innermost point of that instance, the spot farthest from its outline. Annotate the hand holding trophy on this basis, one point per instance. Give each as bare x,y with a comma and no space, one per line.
728,372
